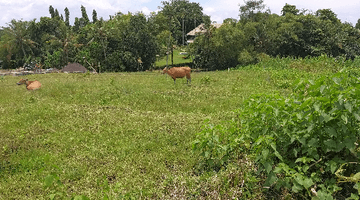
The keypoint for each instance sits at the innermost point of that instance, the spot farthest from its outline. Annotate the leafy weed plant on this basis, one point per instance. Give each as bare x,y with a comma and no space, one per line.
298,142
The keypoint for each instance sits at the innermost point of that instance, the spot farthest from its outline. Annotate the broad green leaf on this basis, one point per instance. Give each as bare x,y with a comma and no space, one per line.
299,178
324,196
292,138
357,117
357,187
277,154
344,117
299,160
349,143
271,179
307,183
325,117
310,128
313,142
52,196
216,138
295,151
299,116
317,106
331,144
302,140
336,80
348,106
353,197
276,112
304,160
207,154
305,168
331,131
265,153
296,187
268,166
49,180
81,197
339,146
278,169
333,166
322,88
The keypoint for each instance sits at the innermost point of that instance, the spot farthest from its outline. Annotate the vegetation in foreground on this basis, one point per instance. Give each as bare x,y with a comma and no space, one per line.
304,143
137,135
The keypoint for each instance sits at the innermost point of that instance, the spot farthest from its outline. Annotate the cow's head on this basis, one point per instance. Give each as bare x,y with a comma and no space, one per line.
22,81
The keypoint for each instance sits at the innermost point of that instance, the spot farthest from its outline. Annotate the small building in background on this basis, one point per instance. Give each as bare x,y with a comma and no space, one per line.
74,68
198,30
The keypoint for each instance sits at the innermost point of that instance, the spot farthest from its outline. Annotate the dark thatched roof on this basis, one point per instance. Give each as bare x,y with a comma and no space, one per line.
74,68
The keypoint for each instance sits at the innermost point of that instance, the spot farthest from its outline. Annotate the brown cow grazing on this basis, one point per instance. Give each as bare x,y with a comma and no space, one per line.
30,85
179,72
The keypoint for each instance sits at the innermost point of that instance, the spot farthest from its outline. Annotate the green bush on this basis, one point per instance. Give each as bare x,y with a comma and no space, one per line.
300,141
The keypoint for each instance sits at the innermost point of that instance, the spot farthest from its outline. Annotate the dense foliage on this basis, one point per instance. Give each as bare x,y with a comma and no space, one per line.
295,34
131,42
305,144
125,42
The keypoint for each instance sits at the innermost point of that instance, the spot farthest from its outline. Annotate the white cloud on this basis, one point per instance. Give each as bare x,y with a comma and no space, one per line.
146,10
209,10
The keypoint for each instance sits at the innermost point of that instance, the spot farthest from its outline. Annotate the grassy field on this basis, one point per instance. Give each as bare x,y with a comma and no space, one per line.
112,134
120,135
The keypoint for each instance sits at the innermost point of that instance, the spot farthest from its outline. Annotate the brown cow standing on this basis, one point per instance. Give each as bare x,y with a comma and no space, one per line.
179,72
30,85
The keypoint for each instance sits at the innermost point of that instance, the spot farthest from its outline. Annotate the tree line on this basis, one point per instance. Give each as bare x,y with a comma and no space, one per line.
133,41
124,42
258,33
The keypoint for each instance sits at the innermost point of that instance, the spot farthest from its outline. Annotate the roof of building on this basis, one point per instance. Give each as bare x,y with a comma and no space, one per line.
201,29
74,67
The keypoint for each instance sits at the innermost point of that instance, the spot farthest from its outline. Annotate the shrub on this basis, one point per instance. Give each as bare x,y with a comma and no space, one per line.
299,142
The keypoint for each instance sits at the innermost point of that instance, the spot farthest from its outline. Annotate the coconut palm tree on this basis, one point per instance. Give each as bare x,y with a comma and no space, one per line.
19,37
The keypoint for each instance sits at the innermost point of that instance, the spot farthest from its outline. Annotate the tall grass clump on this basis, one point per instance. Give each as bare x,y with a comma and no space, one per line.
304,145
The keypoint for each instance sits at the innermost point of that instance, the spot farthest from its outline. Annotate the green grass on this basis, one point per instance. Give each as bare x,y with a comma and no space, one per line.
177,59
120,135
131,131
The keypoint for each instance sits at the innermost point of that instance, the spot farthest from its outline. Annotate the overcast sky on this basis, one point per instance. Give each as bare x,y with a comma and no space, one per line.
346,10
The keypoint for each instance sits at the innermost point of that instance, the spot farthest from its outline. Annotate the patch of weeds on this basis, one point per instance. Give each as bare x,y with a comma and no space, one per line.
112,81
56,189
205,80
32,99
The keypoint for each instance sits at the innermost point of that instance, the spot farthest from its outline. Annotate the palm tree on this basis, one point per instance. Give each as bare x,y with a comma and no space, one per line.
18,36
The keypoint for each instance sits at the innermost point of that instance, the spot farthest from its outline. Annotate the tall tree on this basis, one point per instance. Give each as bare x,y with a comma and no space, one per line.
186,16
327,14
19,37
140,43
52,11
252,10
84,20
94,16
169,12
76,26
289,9
56,14
358,24
67,16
